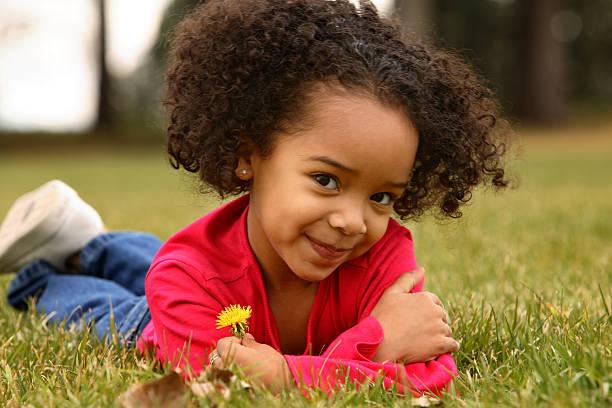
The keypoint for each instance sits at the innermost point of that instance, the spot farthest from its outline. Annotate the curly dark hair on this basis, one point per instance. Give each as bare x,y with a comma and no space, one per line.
241,68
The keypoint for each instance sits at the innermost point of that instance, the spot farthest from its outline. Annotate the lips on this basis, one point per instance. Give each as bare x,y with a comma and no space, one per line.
327,251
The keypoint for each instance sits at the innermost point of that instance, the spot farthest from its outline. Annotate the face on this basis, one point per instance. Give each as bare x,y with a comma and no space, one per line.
324,195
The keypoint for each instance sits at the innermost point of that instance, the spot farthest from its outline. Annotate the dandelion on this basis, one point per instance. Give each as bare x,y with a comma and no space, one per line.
235,316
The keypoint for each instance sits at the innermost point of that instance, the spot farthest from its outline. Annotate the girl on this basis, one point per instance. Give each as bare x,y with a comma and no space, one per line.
330,120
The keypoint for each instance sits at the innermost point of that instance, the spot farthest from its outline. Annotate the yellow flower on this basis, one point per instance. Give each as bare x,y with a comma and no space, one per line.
235,316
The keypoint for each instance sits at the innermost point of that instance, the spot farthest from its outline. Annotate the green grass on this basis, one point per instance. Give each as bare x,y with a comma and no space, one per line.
526,275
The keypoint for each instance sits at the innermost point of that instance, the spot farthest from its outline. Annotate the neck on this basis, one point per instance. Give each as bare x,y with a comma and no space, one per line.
295,287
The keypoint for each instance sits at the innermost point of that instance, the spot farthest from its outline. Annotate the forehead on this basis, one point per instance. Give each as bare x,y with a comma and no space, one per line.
357,130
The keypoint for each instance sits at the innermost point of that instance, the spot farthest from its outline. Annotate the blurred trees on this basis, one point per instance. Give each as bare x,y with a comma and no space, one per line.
541,57
105,115
590,53
175,12
141,94
513,45
544,59
540,79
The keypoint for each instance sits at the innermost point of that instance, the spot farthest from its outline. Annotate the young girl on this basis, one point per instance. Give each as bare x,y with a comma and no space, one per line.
331,121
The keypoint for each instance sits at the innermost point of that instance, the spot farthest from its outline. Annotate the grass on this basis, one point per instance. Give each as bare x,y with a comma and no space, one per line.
526,275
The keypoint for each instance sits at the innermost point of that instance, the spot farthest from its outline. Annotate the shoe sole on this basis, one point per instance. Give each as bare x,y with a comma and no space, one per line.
31,223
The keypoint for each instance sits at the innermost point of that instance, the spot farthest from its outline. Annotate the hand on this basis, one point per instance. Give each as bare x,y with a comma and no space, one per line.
415,325
260,361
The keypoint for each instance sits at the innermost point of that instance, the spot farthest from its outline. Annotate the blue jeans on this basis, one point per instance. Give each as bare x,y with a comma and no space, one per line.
109,288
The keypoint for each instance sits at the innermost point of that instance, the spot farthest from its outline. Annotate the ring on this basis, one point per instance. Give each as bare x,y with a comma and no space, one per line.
213,356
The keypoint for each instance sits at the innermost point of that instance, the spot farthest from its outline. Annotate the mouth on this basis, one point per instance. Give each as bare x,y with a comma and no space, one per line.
327,251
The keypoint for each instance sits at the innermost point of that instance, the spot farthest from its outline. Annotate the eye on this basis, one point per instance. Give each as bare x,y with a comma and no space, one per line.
383,198
326,181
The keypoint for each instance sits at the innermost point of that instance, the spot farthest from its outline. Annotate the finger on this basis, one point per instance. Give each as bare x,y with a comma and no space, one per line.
448,332
409,280
253,357
448,345
247,340
445,346
225,342
452,345
446,317
227,346
435,299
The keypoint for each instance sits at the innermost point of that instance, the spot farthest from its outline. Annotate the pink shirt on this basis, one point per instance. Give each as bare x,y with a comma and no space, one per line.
209,265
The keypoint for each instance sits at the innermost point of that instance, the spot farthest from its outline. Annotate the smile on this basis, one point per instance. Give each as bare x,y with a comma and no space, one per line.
326,251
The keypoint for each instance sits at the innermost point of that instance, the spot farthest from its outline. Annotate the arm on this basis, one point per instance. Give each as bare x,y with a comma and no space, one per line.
415,324
359,353
184,315
329,372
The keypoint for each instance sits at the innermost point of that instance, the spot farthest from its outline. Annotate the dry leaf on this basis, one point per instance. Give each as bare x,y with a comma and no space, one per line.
207,388
168,391
216,381
214,373
425,401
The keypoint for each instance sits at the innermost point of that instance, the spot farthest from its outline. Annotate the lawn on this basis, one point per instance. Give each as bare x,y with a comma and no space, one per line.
526,275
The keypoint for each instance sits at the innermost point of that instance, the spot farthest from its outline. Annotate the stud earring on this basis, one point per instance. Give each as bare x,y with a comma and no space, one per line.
243,174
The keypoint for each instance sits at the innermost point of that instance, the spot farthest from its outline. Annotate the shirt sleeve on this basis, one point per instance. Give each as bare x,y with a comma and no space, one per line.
349,359
183,315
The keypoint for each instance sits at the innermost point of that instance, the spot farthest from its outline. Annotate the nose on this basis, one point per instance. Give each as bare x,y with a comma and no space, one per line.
349,219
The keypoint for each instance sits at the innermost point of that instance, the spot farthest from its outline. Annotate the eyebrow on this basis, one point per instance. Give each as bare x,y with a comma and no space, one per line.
338,165
332,162
403,185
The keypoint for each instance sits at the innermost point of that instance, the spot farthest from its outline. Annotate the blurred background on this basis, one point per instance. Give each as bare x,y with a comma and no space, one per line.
76,70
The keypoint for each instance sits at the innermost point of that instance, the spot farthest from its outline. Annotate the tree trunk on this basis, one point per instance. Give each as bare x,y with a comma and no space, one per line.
541,97
105,119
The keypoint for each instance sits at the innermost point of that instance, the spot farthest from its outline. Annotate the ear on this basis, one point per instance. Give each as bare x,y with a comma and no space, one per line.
244,171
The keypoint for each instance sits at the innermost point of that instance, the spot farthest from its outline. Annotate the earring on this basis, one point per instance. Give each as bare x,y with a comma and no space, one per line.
243,174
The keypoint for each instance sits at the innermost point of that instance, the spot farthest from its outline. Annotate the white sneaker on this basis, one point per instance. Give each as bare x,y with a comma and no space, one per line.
50,223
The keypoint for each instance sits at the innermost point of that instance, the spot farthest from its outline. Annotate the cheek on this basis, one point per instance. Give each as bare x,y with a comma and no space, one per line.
376,230
288,216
